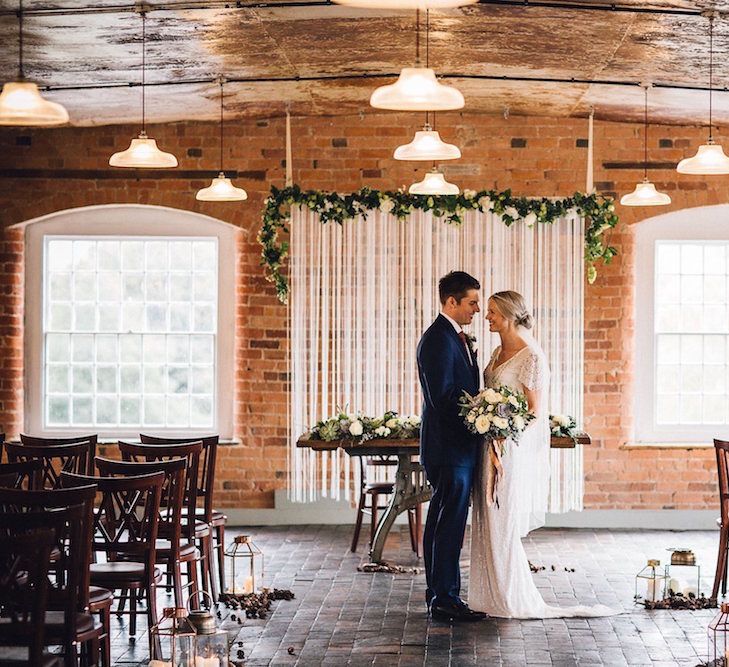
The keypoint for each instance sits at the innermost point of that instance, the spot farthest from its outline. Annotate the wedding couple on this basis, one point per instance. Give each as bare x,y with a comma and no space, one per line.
459,468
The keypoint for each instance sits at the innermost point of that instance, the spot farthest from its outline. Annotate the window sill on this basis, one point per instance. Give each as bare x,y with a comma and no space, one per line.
667,445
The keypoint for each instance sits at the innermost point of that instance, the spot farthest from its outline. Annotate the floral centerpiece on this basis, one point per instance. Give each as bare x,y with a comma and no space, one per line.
563,426
496,414
360,428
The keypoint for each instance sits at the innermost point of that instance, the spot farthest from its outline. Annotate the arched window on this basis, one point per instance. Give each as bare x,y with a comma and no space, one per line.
682,326
129,321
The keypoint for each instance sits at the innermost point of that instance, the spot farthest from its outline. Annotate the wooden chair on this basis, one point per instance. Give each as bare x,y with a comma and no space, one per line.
68,512
373,491
21,475
55,459
206,487
92,440
24,561
193,531
170,549
722,464
126,521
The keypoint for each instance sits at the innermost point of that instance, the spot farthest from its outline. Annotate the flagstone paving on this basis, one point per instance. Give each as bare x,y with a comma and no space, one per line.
344,617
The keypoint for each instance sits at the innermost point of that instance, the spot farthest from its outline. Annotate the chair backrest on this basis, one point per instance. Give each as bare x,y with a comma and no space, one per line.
722,463
25,555
55,459
208,461
21,475
191,452
69,512
173,490
126,518
92,440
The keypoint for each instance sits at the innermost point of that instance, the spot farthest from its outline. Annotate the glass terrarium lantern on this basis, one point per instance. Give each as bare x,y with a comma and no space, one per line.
650,583
683,574
244,566
173,640
718,637
211,643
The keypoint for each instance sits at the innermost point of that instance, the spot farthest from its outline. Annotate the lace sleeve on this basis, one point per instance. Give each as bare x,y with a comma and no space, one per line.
532,372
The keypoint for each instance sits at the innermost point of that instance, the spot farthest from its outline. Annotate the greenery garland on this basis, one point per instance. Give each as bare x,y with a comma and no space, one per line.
332,207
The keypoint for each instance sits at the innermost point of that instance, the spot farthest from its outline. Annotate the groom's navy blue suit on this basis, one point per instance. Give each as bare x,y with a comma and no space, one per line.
449,453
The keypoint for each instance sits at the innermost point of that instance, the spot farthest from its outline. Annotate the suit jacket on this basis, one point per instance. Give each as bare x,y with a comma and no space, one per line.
445,372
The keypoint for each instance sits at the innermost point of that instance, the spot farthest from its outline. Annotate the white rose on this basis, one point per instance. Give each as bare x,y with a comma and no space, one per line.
482,424
513,401
486,204
490,408
492,396
471,417
382,431
530,219
500,422
511,212
519,422
469,194
562,420
392,423
386,205
414,420
355,428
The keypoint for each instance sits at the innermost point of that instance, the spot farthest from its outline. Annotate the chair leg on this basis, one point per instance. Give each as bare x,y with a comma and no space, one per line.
721,562
419,530
193,582
211,567
152,618
122,601
724,575
221,555
205,546
133,613
373,515
358,522
106,624
177,581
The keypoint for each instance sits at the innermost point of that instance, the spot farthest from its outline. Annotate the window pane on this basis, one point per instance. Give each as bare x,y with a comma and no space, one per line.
130,328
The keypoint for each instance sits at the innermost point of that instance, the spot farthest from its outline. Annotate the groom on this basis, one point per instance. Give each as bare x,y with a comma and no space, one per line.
447,366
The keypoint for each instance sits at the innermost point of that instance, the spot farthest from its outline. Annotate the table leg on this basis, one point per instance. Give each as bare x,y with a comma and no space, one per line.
411,488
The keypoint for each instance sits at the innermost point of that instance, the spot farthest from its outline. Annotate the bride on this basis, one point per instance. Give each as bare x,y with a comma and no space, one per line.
507,507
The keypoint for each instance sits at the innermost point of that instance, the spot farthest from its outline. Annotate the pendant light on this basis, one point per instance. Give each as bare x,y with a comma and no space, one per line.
427,145
405,4
143,152
221,189
20,101
645,193
417,89
434,183
710,157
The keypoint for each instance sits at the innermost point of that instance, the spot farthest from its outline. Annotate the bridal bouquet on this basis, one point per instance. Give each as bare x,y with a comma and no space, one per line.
496,414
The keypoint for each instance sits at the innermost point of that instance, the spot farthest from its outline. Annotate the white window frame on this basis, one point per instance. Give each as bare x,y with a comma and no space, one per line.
115,220
704,223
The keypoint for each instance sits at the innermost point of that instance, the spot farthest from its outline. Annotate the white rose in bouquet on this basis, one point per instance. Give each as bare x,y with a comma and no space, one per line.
483,423
492,396
392,423
519,422
500,422
414,420
355,428
513,401
382,431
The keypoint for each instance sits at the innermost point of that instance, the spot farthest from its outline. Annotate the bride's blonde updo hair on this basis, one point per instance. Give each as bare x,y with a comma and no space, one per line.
513,307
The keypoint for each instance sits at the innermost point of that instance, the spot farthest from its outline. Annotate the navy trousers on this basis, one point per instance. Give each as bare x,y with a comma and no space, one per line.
445,528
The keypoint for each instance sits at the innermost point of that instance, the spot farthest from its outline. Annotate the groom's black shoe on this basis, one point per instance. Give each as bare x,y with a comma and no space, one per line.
455,613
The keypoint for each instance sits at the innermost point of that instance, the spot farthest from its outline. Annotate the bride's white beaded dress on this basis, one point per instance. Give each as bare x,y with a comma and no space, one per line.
500,581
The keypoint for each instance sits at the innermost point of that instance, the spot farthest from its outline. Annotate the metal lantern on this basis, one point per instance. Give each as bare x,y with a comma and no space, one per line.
244,566
211,643
718,637
173,640
652,581
683,572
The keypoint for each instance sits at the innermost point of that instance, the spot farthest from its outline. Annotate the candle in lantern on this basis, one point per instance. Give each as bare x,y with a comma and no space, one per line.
690,590
206,662
159,663
654,590
248,585
676,585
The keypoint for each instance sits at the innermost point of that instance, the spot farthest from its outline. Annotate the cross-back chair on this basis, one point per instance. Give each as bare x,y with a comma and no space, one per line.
68,512
207,512
193,531
38,441
125,522
24,562
55,459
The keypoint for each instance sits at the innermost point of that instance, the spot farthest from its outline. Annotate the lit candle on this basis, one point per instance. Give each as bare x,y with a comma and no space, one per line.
206,662
675,584
654,590
248,585
690,589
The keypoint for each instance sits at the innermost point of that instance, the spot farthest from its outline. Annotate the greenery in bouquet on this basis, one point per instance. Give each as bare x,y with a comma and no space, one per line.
496,413
563,426
360,428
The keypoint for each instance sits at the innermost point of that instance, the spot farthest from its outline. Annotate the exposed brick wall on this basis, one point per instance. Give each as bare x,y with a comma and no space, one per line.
532,156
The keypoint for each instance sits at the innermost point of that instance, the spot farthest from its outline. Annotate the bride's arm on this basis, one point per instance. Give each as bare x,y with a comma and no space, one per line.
534,399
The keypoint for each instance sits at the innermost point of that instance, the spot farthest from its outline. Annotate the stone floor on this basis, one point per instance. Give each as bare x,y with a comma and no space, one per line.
344,617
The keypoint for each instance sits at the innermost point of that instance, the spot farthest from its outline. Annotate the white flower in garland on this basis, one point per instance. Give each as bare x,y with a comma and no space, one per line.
469,194
511,212
386,205
530,219
356,429
486,204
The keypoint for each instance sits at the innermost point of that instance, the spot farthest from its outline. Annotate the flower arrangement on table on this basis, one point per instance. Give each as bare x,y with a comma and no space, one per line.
563,426
360,428
497,414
